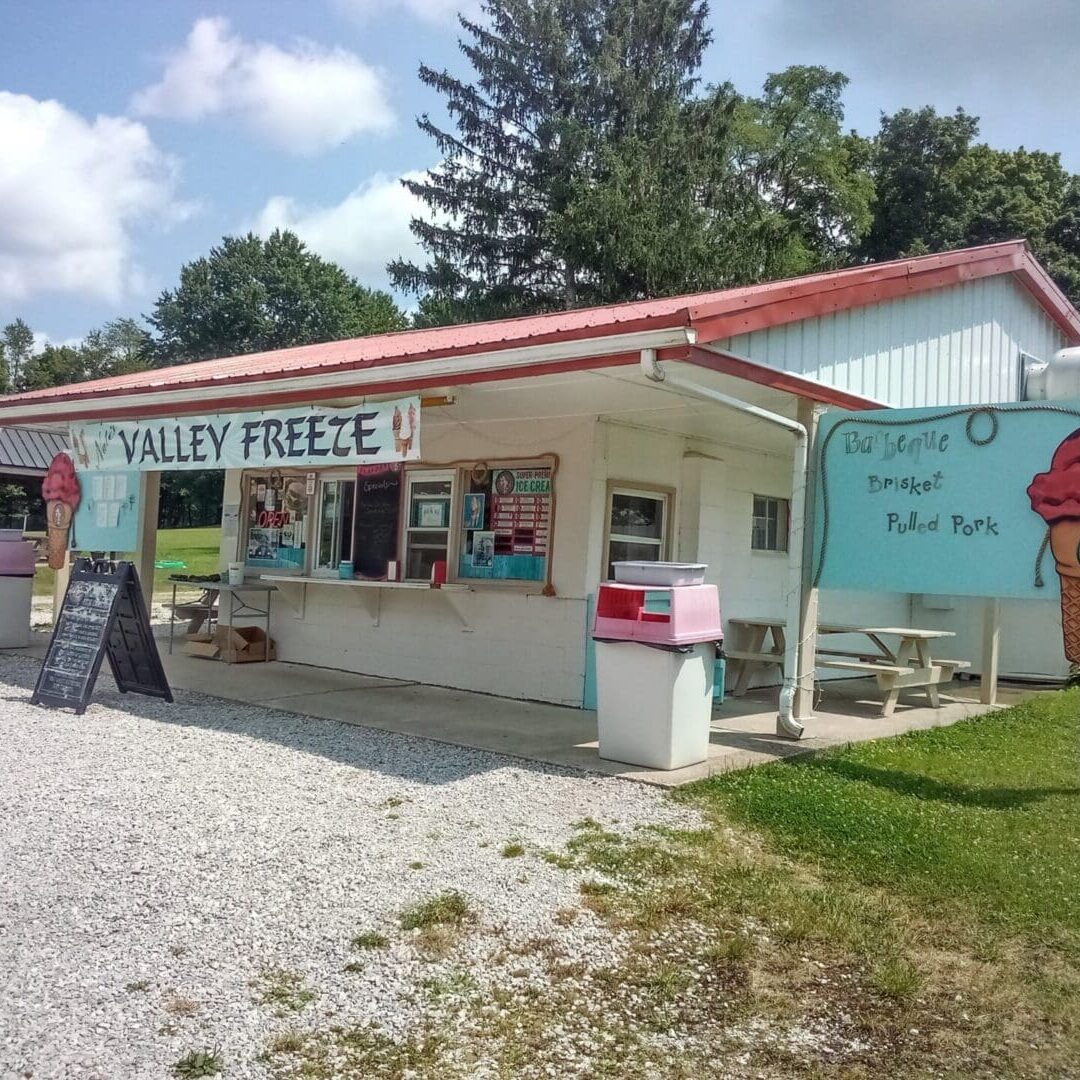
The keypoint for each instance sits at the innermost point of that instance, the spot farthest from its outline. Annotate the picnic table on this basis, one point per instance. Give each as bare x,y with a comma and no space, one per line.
906,666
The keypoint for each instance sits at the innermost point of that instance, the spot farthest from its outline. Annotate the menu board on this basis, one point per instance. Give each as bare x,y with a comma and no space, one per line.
103,614
521,511
378,513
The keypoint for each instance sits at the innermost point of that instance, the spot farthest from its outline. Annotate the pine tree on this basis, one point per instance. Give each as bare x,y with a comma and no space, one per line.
582,169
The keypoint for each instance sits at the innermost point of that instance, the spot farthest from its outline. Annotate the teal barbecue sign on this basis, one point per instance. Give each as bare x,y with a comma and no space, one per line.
976,501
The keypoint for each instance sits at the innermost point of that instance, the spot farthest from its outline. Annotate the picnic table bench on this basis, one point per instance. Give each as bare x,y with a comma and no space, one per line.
907,666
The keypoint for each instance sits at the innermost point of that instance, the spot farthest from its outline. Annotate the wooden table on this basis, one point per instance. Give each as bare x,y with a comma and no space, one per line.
907,666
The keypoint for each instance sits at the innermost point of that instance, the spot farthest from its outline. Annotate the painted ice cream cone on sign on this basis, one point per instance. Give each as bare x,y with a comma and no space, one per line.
61,492
1055,497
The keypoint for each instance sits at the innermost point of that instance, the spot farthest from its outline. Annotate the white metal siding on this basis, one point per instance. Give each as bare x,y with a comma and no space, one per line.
954,346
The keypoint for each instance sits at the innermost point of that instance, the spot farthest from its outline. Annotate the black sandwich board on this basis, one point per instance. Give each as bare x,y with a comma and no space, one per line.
103,614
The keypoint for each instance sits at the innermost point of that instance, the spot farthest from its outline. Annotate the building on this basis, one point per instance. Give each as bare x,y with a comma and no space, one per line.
553,434
25,454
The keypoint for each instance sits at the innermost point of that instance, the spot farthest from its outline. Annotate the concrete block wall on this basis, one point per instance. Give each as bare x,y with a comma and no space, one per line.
1031,645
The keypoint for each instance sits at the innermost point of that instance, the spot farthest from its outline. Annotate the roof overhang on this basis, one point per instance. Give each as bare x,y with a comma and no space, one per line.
227,396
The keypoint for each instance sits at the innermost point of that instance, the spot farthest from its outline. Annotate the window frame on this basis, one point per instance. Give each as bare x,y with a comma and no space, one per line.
245,522
422,473
656,492
321,479
780,502
494,466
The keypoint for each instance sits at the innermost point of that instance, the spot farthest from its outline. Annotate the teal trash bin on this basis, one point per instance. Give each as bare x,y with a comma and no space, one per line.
718,681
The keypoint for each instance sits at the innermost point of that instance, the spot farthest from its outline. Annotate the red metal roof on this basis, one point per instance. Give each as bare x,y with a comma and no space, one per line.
712,315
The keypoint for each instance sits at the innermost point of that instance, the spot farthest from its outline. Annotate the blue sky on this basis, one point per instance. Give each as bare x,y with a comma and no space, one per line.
133,135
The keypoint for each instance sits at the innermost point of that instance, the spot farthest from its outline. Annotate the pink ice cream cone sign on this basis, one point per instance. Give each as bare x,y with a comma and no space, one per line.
61,492
1055,497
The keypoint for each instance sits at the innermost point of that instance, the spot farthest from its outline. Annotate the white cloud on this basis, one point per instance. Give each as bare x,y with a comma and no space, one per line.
42,339
70,190
304,100
433,11
362,233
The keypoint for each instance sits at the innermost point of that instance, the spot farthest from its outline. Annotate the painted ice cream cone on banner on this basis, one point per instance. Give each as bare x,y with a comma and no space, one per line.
395,426
1055,496
61,492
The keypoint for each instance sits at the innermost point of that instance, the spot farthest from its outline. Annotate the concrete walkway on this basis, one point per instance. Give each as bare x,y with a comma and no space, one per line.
743,728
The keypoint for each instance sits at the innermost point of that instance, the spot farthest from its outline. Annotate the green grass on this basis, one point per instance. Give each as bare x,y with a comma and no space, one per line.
284,990
198,548
979,819
446,909
197,1064
370,939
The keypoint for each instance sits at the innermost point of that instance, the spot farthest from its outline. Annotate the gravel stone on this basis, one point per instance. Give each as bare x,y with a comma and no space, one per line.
159,859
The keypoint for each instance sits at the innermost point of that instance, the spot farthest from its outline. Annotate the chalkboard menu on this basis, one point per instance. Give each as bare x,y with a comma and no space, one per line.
378,514
103,614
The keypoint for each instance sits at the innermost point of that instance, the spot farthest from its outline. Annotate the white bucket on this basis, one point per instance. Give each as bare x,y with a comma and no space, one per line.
236,573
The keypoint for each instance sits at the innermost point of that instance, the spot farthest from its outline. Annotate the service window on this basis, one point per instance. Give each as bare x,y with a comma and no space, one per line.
429,496
505,523
337,496
769,529
637,526
276,521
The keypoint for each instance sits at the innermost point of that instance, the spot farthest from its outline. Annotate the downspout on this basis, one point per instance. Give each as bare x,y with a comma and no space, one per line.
787,723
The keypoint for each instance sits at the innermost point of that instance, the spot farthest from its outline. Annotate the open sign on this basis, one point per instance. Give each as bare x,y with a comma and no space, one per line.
273,519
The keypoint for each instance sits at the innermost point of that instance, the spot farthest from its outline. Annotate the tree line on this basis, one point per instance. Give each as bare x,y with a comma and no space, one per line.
586,163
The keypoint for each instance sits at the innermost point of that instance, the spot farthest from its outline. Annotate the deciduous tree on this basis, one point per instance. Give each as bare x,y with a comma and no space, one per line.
251,294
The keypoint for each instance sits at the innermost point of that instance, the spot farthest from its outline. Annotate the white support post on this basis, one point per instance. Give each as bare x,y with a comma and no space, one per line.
807,415
146,551
991,647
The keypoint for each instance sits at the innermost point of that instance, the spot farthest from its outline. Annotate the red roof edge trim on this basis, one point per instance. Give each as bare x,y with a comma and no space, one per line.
1050,297
265,399
213,377
726,364
873,289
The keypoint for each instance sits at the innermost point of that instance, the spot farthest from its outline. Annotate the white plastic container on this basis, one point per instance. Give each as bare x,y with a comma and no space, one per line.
236,573
660,573
654,705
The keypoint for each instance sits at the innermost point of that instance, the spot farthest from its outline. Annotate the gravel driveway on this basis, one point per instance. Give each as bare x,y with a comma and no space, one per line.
158,860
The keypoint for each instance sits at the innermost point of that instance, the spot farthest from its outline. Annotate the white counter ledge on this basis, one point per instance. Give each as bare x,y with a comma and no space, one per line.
294,590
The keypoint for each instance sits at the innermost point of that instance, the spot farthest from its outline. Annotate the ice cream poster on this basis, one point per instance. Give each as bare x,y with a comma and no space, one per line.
374,433
108,515
976,501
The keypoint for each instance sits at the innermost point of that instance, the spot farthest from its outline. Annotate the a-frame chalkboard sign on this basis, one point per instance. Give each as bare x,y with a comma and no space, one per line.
103,614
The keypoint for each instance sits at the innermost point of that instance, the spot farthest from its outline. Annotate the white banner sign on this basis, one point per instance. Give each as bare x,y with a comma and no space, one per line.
370,434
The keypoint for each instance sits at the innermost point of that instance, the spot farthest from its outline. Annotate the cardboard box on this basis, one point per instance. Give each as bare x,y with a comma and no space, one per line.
201,645
233,645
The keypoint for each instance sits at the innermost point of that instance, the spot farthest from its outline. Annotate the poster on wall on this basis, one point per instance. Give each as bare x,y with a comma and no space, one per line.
513,507
370,434
277,515
107,517
978,501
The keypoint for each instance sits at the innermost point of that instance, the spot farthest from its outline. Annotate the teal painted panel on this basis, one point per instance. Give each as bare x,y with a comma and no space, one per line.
588,698
504,568
936,500
107,518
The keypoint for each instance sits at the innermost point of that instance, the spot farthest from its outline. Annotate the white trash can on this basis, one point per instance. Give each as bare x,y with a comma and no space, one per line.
654,703
655,669
17,563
